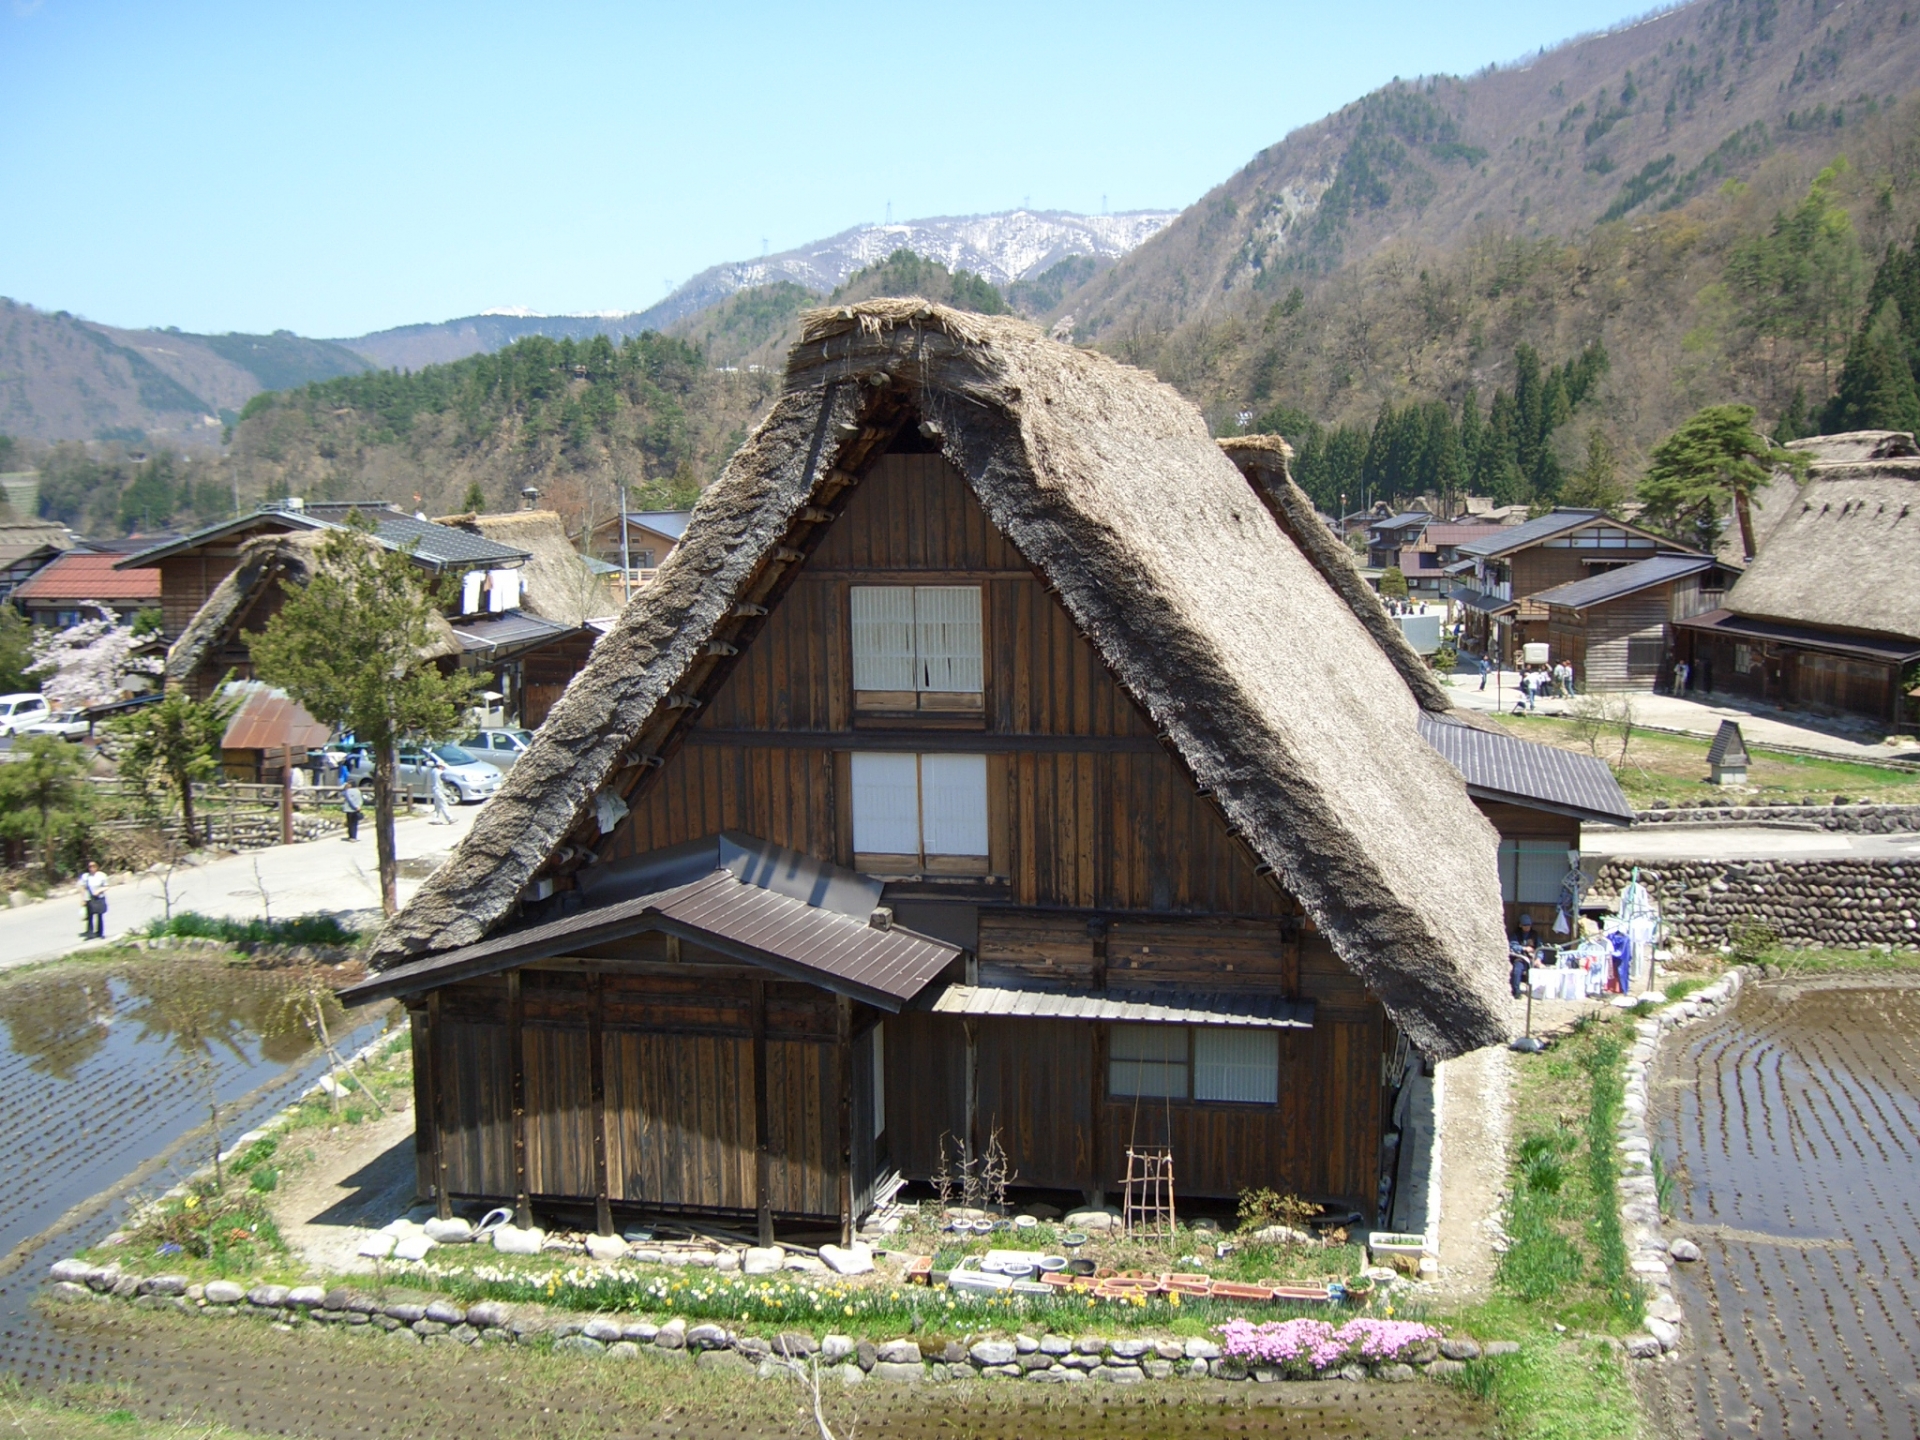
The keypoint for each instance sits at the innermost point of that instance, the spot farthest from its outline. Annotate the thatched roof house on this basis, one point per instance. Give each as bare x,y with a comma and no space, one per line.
1275,698
1827,614
214,642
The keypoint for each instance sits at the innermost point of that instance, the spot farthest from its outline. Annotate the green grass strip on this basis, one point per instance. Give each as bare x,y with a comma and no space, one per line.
1624,1294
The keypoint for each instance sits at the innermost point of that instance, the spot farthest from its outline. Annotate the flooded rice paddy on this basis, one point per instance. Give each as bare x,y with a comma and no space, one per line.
109,1080
1793,1131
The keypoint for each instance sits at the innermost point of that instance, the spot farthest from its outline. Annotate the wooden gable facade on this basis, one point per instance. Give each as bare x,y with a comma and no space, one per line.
660,1074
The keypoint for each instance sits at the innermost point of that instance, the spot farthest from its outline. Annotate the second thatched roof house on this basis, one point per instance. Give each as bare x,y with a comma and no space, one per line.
1828,614
985,762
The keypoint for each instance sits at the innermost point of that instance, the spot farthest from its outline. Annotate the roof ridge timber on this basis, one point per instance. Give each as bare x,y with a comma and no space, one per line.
1259,677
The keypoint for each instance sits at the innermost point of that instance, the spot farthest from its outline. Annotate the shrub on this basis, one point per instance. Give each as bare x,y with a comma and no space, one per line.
300,930
1750,940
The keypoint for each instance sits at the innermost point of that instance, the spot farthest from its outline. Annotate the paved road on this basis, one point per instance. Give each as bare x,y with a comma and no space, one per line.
1761,725
284,880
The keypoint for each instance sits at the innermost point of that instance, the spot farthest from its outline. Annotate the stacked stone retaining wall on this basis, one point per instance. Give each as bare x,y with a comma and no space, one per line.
1850,902
1862,819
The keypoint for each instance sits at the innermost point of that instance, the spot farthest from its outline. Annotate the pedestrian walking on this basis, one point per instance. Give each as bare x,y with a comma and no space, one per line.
1521,952
93,885
351,804
1484,668
1681,674
437,789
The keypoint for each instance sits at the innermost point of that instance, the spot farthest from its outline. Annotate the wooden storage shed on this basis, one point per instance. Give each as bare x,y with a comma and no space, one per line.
986,761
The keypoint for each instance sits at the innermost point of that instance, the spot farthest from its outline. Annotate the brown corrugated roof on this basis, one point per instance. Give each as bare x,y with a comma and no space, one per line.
737,918
85,575
272,720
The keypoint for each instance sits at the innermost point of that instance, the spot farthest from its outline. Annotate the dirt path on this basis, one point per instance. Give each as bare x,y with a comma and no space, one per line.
358,1178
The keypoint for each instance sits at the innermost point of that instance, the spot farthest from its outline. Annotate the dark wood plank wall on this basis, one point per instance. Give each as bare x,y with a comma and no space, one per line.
680,1127
1115,825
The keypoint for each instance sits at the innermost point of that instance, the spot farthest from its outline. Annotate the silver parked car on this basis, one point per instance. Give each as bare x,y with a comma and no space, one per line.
499,748
470,777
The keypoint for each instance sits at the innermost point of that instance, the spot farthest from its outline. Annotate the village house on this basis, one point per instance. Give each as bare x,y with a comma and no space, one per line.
1388,536
1500,590
26,549
1827,615
84,584
519,612
1617,627
986,765
651,536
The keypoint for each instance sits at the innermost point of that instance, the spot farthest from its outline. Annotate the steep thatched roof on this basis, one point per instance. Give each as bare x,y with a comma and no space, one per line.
1263,460
1261,679
264,560
1842,554
556,583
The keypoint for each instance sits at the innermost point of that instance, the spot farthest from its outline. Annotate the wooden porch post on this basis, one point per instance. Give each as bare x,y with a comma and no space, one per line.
762,1122
517,1063
597,1049
443,1202
843,1064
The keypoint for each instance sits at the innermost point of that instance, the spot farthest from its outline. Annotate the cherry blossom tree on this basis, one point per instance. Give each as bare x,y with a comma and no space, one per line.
91,663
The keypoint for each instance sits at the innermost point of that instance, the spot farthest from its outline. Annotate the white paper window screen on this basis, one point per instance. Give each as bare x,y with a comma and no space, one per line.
886,804
1235,1064
947,621
470,588
1531,871
953,804
1147,1060
883,637
879,1080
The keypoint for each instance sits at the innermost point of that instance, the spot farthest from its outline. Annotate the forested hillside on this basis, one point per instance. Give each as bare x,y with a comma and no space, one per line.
1704,196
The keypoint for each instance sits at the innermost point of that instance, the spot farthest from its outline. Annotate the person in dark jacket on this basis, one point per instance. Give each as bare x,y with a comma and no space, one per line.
1521,953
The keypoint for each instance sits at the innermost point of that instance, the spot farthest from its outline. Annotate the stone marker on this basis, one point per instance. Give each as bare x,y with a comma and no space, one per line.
854,1259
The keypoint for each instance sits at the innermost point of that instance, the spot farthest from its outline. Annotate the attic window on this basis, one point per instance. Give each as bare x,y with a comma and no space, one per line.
916,647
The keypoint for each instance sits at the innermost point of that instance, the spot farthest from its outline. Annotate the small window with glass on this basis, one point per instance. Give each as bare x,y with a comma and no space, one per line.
917,648
1215,1064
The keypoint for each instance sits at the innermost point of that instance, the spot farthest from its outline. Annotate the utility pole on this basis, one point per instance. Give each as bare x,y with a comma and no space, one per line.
626,558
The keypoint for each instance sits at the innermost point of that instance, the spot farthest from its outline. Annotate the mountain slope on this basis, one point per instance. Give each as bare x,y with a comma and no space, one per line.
1014,246
1537,150
63,378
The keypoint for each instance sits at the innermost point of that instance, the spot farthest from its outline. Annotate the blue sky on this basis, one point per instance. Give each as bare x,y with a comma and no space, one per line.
342,168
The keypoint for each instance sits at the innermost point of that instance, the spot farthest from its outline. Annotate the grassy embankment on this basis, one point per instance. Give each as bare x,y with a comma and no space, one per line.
1673,768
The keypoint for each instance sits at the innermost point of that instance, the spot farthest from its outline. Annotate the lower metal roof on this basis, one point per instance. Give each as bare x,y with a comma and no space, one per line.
1256,1011
741,910
1528,774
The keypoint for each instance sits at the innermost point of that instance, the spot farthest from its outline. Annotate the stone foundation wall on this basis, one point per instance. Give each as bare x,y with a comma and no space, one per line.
1852,819
1837,902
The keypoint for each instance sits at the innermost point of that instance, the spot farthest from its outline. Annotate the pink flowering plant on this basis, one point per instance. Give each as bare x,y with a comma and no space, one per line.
1302,1347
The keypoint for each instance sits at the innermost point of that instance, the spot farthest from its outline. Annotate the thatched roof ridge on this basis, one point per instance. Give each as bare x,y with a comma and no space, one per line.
1263,459
556,583
264,560
1841,555
1260,677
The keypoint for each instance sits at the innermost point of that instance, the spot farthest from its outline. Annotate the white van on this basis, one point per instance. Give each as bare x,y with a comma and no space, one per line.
20,710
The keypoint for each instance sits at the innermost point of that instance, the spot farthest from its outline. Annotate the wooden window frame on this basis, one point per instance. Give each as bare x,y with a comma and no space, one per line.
920,863
894,708
1189,1101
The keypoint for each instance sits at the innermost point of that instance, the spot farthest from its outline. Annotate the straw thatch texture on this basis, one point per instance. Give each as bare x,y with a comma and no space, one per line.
555,582
1260,677
264,560
1263,460
1842,555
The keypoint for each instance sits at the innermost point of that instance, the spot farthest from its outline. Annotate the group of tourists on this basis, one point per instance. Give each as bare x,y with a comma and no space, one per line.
1406,607
1554,681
